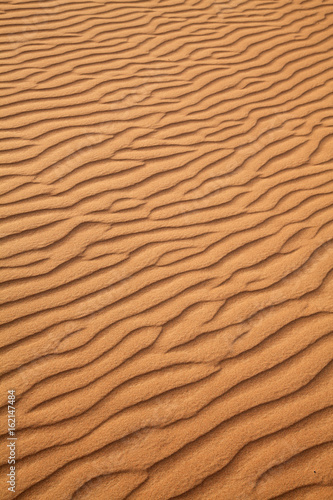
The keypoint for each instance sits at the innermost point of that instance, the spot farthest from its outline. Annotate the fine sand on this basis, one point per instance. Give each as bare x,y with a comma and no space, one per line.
167,249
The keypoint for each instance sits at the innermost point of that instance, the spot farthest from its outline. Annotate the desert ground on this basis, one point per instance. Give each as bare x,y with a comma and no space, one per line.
166,249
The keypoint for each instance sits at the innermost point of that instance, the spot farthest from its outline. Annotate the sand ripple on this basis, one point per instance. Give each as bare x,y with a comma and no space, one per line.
166,256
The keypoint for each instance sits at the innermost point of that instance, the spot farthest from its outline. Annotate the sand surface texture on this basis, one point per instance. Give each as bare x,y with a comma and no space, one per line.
167,248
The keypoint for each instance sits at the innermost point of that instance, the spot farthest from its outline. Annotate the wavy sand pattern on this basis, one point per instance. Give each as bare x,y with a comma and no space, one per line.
166,248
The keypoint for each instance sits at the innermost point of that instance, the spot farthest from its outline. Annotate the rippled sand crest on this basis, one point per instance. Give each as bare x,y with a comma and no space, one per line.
167,248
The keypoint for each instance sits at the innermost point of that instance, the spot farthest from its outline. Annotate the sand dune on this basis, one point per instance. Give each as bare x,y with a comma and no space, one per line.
167,248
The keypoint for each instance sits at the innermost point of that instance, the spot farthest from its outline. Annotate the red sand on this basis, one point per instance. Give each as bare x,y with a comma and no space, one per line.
166,249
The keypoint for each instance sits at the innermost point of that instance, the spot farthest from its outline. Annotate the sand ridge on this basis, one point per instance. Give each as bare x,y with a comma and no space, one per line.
166,248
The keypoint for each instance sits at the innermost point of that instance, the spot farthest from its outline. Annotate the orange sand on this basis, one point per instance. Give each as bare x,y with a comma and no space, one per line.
166,248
